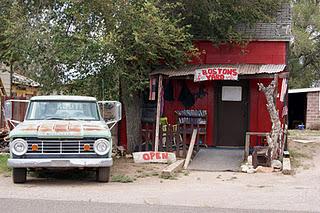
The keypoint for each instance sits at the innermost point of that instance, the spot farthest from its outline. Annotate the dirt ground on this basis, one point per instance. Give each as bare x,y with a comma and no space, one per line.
125,169
272,191
304,148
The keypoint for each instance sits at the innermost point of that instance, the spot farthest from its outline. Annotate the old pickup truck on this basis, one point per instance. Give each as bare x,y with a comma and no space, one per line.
63,132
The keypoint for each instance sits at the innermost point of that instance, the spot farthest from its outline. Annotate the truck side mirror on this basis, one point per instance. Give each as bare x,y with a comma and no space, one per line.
8,110
111,111
15,117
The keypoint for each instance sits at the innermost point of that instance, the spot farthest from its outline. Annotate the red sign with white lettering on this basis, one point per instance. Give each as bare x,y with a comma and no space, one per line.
219,73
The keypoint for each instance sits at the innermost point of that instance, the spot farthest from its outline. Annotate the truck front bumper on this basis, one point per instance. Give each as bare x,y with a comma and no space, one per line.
58,162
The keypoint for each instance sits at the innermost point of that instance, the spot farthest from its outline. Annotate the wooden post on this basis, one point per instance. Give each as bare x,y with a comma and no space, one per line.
247,145
156,140
11,78
193,140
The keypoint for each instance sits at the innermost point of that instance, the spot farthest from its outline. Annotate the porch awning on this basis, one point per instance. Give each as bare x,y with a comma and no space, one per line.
243,69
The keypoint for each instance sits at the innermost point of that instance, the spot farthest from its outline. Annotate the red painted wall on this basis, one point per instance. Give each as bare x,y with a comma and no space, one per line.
257,52
259,119
205,103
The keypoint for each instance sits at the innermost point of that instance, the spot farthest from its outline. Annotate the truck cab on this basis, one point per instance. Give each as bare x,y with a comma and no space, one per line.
62,132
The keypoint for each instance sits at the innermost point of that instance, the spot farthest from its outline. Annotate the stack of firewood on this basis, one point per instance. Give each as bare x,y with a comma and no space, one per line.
4,141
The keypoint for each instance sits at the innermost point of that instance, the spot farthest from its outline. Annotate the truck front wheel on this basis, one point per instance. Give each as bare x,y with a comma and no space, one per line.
19,175
103,174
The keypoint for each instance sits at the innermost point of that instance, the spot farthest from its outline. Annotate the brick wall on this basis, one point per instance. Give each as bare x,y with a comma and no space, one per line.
313,113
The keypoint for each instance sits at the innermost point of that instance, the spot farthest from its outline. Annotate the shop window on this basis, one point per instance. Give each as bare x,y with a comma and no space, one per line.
231,93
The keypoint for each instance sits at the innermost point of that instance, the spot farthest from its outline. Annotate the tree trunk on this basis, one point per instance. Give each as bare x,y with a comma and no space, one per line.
132,105
276,132
11,78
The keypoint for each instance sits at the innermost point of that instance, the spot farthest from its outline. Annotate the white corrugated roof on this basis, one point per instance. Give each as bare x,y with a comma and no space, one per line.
304,90
23,80
16,78
62,98
244,69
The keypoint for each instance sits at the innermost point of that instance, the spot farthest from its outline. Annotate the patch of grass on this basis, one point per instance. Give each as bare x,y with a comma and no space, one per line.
4,169
169,177
122,179
155,174
306,167
301,154
142,174
302,133
186,172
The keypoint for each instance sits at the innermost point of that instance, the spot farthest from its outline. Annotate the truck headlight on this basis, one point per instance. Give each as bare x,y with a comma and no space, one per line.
101,146
19,147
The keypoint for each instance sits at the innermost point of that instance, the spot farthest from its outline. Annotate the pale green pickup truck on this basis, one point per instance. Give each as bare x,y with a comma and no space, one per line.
63,132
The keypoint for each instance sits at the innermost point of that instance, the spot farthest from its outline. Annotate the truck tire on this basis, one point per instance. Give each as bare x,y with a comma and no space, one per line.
19,175
103,174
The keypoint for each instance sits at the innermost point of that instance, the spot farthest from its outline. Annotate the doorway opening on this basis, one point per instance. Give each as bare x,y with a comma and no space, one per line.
297,109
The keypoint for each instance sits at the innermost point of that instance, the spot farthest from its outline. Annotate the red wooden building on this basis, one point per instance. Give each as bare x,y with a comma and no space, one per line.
222,83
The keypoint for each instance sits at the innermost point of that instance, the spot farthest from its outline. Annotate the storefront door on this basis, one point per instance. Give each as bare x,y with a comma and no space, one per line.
231,113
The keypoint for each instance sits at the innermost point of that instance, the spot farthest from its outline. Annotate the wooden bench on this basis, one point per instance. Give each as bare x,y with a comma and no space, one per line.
247,144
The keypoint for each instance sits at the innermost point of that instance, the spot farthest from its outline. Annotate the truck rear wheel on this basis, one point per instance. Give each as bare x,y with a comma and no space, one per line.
103,174
19,175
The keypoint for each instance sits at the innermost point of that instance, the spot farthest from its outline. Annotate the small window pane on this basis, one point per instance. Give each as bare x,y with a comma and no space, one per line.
231,93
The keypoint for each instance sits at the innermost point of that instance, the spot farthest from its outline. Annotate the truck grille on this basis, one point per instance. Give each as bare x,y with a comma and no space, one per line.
60,146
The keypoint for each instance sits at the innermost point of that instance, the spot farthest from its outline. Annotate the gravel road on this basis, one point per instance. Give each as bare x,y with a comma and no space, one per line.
49,206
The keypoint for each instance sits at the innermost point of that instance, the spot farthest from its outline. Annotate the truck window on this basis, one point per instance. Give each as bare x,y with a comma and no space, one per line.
63,110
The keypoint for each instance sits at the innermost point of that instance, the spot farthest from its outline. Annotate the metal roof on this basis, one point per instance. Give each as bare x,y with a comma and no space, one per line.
23,80
62,98
279,29
244,69
304,90
16,78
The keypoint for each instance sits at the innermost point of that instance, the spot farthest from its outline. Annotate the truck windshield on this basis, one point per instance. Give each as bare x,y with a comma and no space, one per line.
63,110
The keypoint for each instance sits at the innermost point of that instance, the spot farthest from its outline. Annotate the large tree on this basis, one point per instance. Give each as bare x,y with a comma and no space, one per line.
305,49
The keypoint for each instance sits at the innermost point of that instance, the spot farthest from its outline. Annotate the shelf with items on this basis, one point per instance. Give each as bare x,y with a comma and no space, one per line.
188,120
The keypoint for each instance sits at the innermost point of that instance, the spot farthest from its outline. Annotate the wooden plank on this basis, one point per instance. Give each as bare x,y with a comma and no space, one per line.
258,133
170,138
178,141
198,137
168,141
172,168
154,157
193,139
247,145
286,166
156,140
184,141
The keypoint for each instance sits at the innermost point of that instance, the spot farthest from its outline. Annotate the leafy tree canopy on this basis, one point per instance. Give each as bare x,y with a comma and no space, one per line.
63,41
305,50
216,20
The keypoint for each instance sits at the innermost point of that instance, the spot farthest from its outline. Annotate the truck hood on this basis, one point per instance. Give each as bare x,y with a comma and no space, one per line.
61,129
